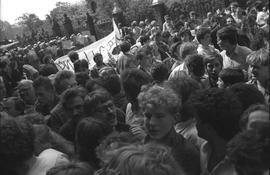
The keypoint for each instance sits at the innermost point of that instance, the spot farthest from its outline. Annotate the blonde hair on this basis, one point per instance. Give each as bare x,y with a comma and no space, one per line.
148,159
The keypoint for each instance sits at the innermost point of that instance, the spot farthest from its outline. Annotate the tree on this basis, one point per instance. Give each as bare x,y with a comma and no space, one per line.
30,21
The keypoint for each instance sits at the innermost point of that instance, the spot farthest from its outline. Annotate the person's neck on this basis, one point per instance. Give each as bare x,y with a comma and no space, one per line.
230,51
218,151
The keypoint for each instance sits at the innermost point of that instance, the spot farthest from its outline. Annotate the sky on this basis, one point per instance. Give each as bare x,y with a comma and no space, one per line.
11,9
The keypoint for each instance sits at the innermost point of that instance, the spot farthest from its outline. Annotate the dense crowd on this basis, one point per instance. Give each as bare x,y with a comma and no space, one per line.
190,97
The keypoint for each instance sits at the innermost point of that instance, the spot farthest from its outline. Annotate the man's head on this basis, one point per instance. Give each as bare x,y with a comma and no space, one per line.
44,90
255,117
213,62
249,152
27,92
145,56
132,80
259,66
64,80
204,36
72,101
195,65
17,144
230,76
218,113
73,56
160,106
98,58
100,102
227,38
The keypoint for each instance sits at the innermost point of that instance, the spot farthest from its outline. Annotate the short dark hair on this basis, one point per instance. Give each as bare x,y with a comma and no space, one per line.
201,32
72,168
132,81
17,141
228,33
160,72
44,82
94,130
195,64
125,46
82,78
247,94
97,55
93,99
220,109
73,56
71,93
80,64
47,70
111,83
231,76
60,76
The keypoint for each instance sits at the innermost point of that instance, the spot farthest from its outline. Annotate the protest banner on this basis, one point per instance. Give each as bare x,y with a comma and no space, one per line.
104,46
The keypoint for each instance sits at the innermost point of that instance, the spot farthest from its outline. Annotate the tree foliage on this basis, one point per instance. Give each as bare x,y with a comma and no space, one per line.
30,21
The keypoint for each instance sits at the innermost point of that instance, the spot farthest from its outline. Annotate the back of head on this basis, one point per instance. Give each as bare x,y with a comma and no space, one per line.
231,76
73,56
220,109
187,48
228,33
160,73
74,168
80,65
17,142
247,94
183,86
132,81
146,159
61,76
95,130
195,65
93,99
111,83
44,82
47,70
125,46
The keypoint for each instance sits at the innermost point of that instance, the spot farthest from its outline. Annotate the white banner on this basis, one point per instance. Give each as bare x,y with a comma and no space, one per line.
104,46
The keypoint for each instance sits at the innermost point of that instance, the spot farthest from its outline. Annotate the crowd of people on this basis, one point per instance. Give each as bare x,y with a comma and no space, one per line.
190,97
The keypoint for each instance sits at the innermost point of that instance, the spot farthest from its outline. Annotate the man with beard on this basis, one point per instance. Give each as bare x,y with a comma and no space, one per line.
258,62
